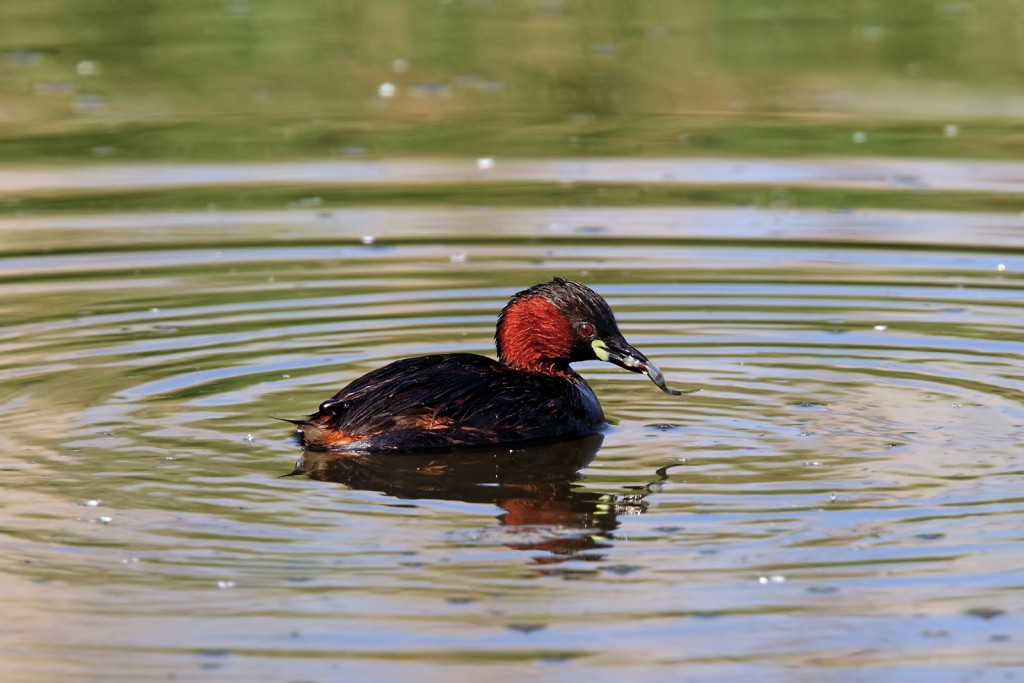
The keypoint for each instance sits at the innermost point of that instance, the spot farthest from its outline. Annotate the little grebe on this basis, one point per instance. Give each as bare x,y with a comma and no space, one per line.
463,399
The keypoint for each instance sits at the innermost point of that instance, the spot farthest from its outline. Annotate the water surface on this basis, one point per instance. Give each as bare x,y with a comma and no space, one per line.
214,213
841,498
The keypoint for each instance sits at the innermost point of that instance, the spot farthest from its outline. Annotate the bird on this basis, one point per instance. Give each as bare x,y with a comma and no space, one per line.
456,400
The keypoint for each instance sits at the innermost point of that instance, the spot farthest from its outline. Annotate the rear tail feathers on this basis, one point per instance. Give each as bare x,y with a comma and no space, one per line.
317,436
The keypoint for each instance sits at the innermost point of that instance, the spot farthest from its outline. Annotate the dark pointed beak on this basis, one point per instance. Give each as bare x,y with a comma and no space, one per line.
619,352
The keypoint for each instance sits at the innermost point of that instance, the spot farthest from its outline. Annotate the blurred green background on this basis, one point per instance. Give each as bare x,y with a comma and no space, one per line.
278,79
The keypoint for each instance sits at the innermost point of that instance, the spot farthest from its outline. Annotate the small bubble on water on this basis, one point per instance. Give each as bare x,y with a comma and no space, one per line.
386,90
881,328
222,584
485,163
458,258
1001,267
286,376
87,67
92,503
774,578
105,519
154,310
951,130
813,463
367,239
859,137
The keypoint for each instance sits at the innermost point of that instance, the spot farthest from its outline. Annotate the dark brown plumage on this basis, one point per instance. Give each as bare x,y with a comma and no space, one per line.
463,399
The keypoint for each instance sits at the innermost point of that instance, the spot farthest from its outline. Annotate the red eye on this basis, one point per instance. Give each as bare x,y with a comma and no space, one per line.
586,330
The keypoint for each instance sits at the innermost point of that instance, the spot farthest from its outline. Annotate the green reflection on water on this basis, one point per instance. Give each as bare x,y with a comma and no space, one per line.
273,79
506,194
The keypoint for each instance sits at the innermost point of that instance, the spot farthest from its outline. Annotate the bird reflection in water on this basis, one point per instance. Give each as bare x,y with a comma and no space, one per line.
536,486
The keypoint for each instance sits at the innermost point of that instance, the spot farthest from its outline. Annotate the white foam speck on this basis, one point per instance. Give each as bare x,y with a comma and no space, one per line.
87,67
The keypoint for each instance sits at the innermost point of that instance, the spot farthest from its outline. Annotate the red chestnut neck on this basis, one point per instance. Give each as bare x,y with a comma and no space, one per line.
533,335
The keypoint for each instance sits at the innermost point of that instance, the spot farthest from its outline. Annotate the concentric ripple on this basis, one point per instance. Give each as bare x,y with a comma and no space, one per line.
844,493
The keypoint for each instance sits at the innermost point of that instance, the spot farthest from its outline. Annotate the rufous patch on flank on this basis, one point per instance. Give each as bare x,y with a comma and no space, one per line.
325,437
